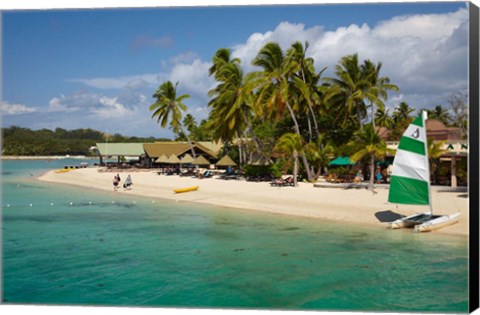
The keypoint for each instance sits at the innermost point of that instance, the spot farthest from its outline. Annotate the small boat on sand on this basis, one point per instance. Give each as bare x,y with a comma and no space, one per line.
63,170
186,189
410,180
425,222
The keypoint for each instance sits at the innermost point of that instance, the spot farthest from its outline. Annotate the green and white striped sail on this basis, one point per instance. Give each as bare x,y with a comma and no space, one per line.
410,178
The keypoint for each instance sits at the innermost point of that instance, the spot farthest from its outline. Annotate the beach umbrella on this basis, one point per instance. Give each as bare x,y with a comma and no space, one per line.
173,159
341,161
226,161
187,159
200,160
161,159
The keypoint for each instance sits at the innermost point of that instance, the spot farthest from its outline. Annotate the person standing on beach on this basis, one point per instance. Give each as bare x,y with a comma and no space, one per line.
116,181
128,182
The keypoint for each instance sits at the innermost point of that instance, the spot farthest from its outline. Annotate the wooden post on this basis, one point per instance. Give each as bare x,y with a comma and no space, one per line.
453,172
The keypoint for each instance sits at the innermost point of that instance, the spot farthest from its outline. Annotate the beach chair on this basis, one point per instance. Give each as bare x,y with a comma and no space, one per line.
277,182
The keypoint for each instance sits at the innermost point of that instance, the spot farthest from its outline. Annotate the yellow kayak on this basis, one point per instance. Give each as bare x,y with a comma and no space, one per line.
63,170
187,189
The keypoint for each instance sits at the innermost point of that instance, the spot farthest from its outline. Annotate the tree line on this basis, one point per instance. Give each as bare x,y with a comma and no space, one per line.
287,109
24,141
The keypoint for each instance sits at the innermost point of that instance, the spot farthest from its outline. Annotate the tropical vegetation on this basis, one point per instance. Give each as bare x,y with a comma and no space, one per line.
46,142
286,110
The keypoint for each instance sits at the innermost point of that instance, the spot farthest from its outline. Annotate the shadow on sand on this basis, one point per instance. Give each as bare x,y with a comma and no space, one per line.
388,216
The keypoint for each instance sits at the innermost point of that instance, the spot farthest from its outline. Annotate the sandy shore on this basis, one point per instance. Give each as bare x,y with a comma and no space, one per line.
347,205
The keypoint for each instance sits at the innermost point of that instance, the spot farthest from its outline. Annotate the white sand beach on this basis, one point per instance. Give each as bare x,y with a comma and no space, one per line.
345,205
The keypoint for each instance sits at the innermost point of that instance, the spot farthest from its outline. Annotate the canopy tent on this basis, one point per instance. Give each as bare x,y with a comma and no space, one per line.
200,160
226,161
162,159
187,159
341,161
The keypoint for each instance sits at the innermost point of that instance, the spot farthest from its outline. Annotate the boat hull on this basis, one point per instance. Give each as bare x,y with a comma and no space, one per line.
437,223
63,170
425,222
407,222
186,189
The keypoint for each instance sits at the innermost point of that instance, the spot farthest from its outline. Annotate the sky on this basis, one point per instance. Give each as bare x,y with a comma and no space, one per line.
98,68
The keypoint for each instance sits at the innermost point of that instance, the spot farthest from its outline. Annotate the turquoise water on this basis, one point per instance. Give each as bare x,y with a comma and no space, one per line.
81,247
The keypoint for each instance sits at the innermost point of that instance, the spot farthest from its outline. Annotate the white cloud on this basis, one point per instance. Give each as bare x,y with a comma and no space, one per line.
184,58
193,78
15,109
119,82
425,55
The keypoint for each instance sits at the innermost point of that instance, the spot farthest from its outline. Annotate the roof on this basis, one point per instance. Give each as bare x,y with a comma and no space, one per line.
162,159
121,149
226,161
215,147
173,159
200,160
156,149
165,148
435,125
187,158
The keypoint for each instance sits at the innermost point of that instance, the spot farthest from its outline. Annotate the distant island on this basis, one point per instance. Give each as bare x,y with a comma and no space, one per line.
19,141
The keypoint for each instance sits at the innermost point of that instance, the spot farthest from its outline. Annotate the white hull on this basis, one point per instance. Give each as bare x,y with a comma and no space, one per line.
407,221
425,222
442,221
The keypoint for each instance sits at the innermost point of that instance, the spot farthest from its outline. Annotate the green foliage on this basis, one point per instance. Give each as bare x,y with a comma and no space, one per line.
341,170
261,170
24,141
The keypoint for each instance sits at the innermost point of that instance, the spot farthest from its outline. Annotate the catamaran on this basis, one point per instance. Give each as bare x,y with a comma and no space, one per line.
410,180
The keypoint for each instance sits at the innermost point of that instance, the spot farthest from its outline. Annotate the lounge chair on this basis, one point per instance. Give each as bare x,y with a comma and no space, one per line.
277,182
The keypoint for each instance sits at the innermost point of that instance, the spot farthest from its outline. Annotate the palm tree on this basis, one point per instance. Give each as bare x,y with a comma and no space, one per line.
231,100
306,82
383,118
221,57
291,144
347,90
320,152
377,87
367,143
402,113
168,108
189,122
434,153
401,120
273,84
441,114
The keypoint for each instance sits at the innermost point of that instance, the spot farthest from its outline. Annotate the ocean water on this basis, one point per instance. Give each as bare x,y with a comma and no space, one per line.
70,246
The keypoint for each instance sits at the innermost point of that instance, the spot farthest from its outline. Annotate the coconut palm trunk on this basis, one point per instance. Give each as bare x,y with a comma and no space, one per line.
297,130
295,167
372,171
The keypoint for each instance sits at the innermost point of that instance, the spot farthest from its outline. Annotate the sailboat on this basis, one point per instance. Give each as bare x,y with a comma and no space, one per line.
410,180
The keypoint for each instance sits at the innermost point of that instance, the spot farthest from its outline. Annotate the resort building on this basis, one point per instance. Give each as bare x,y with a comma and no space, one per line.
123,152
162,152
455,152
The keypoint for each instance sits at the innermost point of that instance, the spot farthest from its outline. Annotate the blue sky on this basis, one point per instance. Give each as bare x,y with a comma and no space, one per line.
97,68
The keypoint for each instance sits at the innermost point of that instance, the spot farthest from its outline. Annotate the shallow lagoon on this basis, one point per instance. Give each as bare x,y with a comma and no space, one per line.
81,247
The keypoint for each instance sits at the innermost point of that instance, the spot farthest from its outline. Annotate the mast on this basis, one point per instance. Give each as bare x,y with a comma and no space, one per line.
424,118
